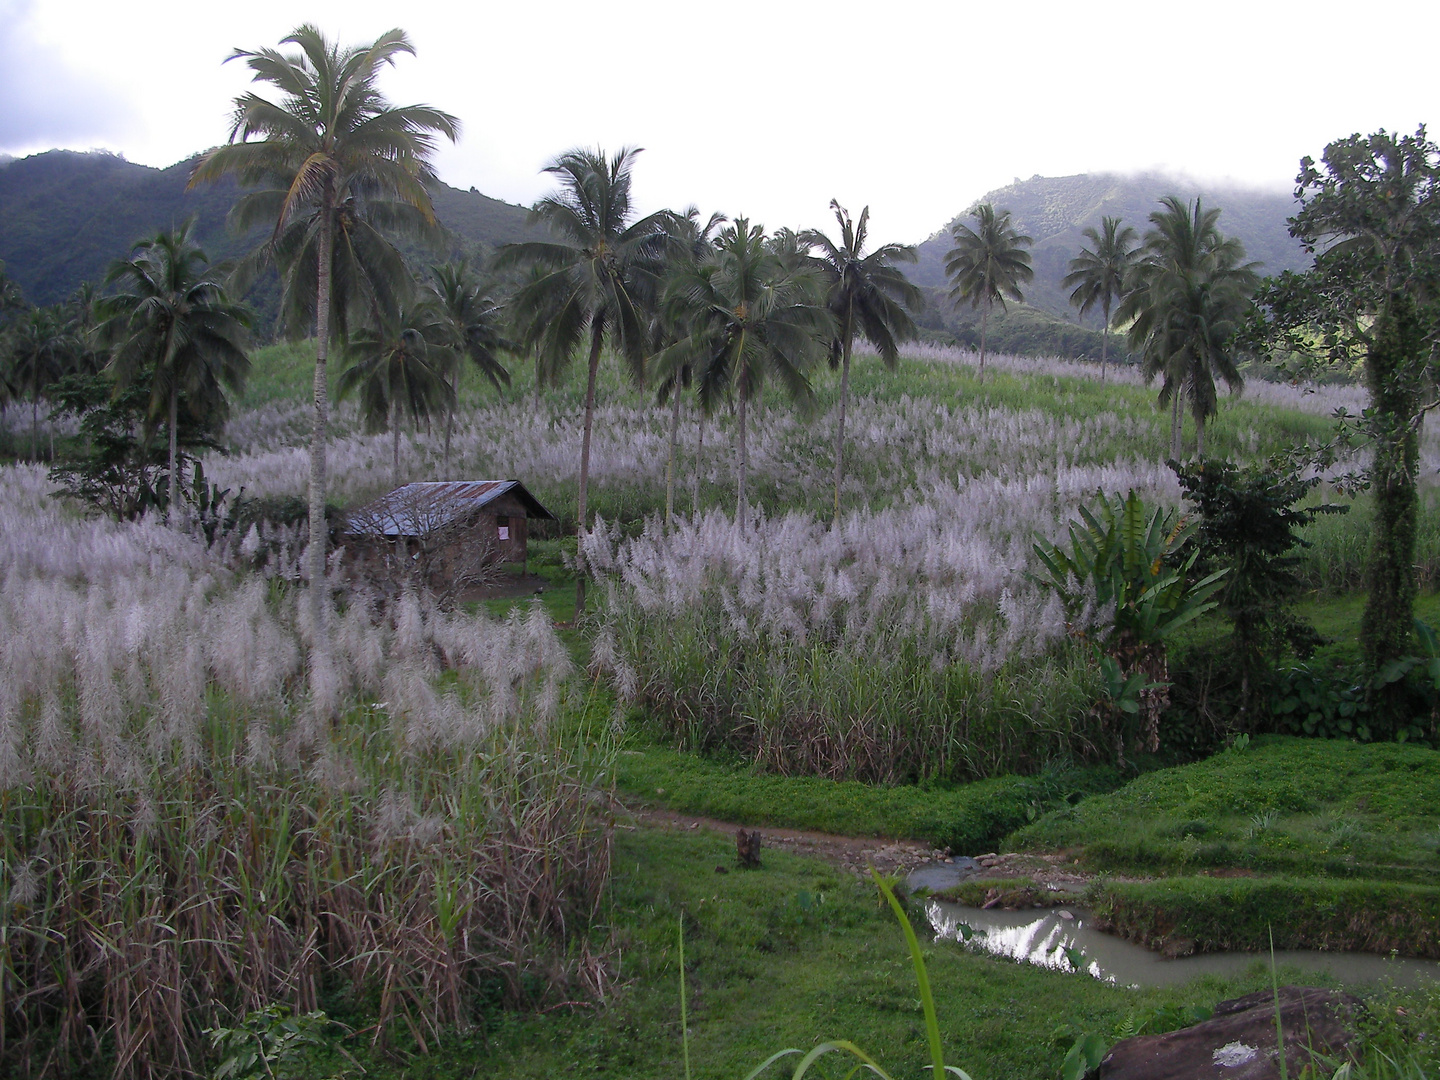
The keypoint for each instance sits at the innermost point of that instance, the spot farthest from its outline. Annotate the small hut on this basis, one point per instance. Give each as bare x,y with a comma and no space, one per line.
445,530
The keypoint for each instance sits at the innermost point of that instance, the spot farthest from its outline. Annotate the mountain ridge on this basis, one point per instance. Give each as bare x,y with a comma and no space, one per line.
1055,211
65,216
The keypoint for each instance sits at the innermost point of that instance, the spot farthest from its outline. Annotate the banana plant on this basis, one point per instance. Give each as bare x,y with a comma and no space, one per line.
1131,564
1129,569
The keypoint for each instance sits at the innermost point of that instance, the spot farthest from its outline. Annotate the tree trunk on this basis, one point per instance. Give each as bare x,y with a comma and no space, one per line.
450,414
1105,339
597,331
742,508
984,317
1176,425
699,460
844,393
35,425
319,434
1199,436
174,507
1394,368
394,445
670,463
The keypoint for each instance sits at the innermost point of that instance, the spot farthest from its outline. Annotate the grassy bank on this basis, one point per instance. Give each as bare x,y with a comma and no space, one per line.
1281,805
787,955
1246,914
967,818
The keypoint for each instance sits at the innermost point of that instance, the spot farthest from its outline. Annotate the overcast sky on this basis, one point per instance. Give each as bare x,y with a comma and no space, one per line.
769,108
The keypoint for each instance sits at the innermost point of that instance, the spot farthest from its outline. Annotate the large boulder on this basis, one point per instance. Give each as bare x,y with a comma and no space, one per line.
1238,1042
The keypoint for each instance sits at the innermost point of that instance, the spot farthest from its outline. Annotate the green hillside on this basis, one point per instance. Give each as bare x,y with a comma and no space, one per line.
64,217
1056,210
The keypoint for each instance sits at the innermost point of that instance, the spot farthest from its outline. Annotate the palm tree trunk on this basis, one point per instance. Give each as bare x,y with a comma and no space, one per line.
984,318
844,393
1104,340
1199,436
35,426
1176,426
394,445
174,506
742,508
670,464
597,330
699,459
315,553
450,416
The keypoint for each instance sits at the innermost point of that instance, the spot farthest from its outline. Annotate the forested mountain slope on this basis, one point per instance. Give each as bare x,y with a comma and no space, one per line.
64,217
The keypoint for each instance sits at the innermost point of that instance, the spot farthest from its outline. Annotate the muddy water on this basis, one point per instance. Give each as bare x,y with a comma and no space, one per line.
1047,939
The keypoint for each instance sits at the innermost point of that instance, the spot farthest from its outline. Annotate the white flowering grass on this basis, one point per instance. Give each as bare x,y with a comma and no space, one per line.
184,837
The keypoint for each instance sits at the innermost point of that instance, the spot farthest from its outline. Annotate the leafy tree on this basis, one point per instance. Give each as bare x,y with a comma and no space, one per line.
1097,274
1188,296
171,323
122,469
469,323
593,280
1135,567
750,317
866,294
41,349
1370,211
395,370
988,264
1248,529
334,163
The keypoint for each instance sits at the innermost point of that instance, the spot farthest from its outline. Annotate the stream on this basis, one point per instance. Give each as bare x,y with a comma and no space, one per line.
1048,939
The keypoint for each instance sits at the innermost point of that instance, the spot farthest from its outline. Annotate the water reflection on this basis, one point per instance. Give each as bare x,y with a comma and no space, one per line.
1047,939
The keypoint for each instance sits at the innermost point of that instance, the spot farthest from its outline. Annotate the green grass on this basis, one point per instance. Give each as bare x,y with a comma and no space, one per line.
1247,914
967,818
1282,805
787,955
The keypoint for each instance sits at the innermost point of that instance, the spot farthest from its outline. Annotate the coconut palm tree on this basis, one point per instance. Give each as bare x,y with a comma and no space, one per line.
467,321
1187,293
1097,274
866,295
687,244
988,264
591,282
334,163
171,321
395,370
750,317
41,348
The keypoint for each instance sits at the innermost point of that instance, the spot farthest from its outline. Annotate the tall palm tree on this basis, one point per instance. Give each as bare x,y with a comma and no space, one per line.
1097,274
593,280
866,294
1187,292
469,323
41,349
84,308
750,316
687,244
988,264
335,162
171,321
395,371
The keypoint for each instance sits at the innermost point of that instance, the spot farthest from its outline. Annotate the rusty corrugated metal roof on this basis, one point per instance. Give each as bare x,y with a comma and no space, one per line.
416,509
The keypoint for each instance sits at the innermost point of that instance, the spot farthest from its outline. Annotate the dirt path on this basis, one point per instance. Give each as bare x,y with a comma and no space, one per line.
853,853
857,854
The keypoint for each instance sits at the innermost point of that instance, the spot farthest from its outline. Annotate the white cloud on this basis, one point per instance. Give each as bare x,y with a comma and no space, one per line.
772,107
